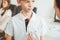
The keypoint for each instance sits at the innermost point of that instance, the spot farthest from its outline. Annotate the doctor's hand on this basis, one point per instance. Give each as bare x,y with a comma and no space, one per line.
31,37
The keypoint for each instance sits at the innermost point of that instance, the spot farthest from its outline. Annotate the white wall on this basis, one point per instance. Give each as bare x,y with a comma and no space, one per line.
44,6
14,2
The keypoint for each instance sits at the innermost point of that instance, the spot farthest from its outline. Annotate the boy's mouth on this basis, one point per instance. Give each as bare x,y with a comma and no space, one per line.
30,8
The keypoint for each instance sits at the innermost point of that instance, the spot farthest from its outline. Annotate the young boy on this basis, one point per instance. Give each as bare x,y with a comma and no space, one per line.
25,25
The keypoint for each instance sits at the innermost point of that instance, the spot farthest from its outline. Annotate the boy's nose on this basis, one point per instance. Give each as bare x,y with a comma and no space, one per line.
30,4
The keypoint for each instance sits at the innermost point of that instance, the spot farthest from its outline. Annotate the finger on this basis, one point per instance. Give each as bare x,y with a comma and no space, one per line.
29,37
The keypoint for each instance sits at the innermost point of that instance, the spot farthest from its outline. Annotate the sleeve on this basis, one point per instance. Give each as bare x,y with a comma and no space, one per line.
5,19
8,13
9,29
43,28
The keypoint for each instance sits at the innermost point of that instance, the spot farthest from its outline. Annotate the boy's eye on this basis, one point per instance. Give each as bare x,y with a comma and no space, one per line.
27,1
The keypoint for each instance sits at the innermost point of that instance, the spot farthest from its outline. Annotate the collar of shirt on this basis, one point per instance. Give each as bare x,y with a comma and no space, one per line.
22,17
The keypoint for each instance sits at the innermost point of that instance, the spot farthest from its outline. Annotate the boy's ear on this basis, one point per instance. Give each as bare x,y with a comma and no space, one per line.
19,2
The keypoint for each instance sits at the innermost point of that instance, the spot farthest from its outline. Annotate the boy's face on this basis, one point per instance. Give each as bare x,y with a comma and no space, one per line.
27,5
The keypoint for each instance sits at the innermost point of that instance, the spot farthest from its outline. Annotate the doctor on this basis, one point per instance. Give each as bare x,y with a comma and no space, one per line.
26,25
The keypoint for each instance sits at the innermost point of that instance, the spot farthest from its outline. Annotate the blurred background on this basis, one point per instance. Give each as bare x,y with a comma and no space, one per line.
46,11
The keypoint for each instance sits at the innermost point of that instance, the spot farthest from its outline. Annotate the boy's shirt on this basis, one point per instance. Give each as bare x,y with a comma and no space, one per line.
17,27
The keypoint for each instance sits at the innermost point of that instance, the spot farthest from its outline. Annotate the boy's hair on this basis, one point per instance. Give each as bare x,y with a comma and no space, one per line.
58,3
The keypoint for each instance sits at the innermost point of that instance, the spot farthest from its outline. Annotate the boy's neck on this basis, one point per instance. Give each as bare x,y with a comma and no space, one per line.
27,14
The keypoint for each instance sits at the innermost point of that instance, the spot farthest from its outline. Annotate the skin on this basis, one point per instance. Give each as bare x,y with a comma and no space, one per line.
18,1
27,7
57,10
42,37
5,4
